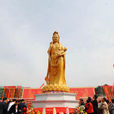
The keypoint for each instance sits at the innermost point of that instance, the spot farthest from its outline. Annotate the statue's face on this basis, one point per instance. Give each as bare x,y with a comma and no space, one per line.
55,38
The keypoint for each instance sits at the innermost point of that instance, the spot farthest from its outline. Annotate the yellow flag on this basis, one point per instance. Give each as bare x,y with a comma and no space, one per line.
33,112
38,112
54,110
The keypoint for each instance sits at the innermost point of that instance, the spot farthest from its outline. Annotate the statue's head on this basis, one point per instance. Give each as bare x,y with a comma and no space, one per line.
55,37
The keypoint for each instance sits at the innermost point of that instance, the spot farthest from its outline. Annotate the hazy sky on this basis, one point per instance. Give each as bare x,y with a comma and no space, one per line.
86,28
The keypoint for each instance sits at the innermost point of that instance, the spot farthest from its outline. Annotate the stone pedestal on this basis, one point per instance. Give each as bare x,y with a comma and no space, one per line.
55,100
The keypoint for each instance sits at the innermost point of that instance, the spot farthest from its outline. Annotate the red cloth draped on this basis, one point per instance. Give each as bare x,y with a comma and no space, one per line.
109,93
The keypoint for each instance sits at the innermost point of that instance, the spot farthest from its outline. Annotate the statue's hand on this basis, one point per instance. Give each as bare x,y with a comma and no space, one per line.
61,54
65,49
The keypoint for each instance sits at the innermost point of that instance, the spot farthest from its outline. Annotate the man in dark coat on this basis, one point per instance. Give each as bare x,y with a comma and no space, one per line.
1,107
5,106
81,102
22,105
95,104
15,109
112,107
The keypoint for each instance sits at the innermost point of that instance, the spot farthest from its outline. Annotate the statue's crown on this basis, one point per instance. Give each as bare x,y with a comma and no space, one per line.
55,32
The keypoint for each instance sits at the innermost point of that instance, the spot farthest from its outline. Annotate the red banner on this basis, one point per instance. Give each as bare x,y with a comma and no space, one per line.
18,92
28,93
109,93
83,92
9,91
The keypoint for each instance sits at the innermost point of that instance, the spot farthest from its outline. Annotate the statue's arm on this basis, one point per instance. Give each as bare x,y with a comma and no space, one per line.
65,49
62,52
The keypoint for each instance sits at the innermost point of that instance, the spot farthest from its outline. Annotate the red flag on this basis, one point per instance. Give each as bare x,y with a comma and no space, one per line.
41,85
113,87
45,78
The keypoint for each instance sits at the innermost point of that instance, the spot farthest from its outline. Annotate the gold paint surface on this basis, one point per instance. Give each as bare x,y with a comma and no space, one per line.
55,78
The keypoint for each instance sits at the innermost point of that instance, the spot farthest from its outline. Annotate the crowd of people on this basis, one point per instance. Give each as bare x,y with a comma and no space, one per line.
95,106
91,106
12,106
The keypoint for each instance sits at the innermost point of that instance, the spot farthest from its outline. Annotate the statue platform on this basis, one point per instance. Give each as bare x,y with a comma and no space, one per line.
61,99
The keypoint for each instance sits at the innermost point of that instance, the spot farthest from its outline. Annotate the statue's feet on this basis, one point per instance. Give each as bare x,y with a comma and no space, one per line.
49,88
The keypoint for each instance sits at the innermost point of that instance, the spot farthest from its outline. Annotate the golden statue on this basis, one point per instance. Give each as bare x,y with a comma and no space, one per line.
55,77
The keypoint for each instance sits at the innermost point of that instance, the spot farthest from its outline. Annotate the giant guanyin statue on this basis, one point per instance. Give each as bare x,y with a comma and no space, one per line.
55,78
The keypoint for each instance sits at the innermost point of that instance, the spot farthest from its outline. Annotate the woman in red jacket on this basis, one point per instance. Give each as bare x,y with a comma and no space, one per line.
89,106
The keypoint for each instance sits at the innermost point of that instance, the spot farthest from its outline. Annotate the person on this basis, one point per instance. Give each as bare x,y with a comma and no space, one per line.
89,106
15,109
5,106
22,105
55,77
81,102
104,106
1,107
95,104
99,105
11,103
112,107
